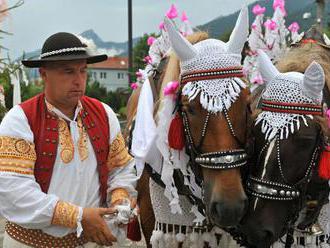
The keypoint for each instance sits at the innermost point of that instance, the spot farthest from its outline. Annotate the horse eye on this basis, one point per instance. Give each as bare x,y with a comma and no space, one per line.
190,110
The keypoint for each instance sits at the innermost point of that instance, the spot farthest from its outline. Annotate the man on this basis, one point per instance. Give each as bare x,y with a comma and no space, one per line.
63,158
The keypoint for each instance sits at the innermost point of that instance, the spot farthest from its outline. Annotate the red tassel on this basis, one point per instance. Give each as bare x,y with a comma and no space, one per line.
176,138
133,230
324,165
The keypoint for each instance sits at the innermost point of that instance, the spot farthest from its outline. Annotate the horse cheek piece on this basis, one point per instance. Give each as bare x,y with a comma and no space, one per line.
211,72
282,169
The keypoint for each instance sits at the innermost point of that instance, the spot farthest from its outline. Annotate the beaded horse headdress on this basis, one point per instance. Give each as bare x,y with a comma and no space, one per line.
289,98
212,67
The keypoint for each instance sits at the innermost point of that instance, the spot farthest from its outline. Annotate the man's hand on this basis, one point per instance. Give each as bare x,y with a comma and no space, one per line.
95,227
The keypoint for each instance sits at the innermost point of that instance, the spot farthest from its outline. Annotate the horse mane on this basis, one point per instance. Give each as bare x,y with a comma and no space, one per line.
171,73
299,58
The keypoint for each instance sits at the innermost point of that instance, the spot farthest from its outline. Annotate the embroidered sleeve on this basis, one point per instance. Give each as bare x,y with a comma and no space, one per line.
16,155
119,194
65,214
118,154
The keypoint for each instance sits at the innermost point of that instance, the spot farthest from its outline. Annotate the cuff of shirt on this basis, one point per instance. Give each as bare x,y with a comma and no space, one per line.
66,214
118,194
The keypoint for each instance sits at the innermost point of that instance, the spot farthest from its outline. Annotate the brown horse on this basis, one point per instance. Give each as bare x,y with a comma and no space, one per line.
214,139
269,219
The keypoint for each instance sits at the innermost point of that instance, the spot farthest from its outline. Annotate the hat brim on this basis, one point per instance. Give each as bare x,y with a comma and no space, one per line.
40,62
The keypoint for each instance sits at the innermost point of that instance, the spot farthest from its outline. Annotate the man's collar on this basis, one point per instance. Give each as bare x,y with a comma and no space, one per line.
59,113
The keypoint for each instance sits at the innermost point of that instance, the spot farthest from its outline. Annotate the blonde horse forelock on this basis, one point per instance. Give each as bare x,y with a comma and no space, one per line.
299,58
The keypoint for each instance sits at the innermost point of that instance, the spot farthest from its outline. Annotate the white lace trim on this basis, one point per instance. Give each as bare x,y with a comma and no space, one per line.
215,94
273,123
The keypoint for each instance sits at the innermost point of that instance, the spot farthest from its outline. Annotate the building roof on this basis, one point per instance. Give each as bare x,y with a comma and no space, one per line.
111,63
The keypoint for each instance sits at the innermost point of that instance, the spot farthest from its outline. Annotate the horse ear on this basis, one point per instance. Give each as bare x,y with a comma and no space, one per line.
267,69
314,80
180,45
240,33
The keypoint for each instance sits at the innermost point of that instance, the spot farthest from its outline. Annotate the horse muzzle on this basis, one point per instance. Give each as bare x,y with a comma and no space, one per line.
225,214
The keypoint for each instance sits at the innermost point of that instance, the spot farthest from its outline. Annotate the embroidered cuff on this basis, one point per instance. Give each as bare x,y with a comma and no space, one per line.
118,154
17,155
66,214
118,194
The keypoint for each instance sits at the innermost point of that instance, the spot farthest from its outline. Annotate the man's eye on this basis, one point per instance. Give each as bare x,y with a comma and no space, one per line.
68,71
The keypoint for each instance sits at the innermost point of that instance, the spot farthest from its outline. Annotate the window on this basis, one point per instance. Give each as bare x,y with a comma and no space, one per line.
120,75
103,75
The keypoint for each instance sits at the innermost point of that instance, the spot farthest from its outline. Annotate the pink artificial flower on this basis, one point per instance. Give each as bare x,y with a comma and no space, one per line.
270,24
279,4
172,12
170,88
294,27
138,74
258,79
150,40
258,10
161,26
147,59
184,17
134,86
254,26
328,117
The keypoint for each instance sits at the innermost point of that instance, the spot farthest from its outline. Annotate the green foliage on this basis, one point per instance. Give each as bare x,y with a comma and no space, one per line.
116,100
7,86
140,50
30,90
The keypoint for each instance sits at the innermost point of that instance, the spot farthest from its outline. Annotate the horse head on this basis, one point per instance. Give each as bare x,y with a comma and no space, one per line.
286,149
212,103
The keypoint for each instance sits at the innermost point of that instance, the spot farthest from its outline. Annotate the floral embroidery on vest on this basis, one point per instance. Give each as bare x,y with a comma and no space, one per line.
118,154
66,142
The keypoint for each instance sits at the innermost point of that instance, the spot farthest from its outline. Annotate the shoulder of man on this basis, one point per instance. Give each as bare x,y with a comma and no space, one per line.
15,124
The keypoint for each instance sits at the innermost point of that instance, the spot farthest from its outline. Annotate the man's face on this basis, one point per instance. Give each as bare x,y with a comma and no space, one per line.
65,81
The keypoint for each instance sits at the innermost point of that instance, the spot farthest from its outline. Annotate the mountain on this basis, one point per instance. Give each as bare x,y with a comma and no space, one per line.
108,47
223,25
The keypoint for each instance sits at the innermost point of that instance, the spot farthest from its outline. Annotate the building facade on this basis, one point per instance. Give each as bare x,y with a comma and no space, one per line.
112,73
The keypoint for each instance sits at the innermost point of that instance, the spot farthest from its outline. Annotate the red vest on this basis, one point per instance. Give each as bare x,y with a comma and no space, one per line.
44,126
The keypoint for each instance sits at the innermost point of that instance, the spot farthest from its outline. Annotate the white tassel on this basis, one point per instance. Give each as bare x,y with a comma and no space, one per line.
180,237
206,237
213,240
292,127
156,237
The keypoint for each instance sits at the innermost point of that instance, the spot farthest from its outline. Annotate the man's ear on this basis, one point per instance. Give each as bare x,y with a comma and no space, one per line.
42,73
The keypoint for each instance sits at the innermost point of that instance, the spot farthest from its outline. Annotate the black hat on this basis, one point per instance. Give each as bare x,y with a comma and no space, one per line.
61,47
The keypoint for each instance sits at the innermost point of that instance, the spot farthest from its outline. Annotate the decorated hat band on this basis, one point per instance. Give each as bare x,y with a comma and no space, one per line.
292,108
212,74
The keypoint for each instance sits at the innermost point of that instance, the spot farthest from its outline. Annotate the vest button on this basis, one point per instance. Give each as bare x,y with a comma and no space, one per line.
47,140
44,153
54,128
50,154
47,116
92,124
53,141
47,128
93,138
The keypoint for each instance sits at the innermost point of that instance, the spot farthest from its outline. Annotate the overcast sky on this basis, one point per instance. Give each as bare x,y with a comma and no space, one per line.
35,20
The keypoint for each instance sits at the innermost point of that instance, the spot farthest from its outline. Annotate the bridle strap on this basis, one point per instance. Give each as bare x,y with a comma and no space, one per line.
291,108
210,74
